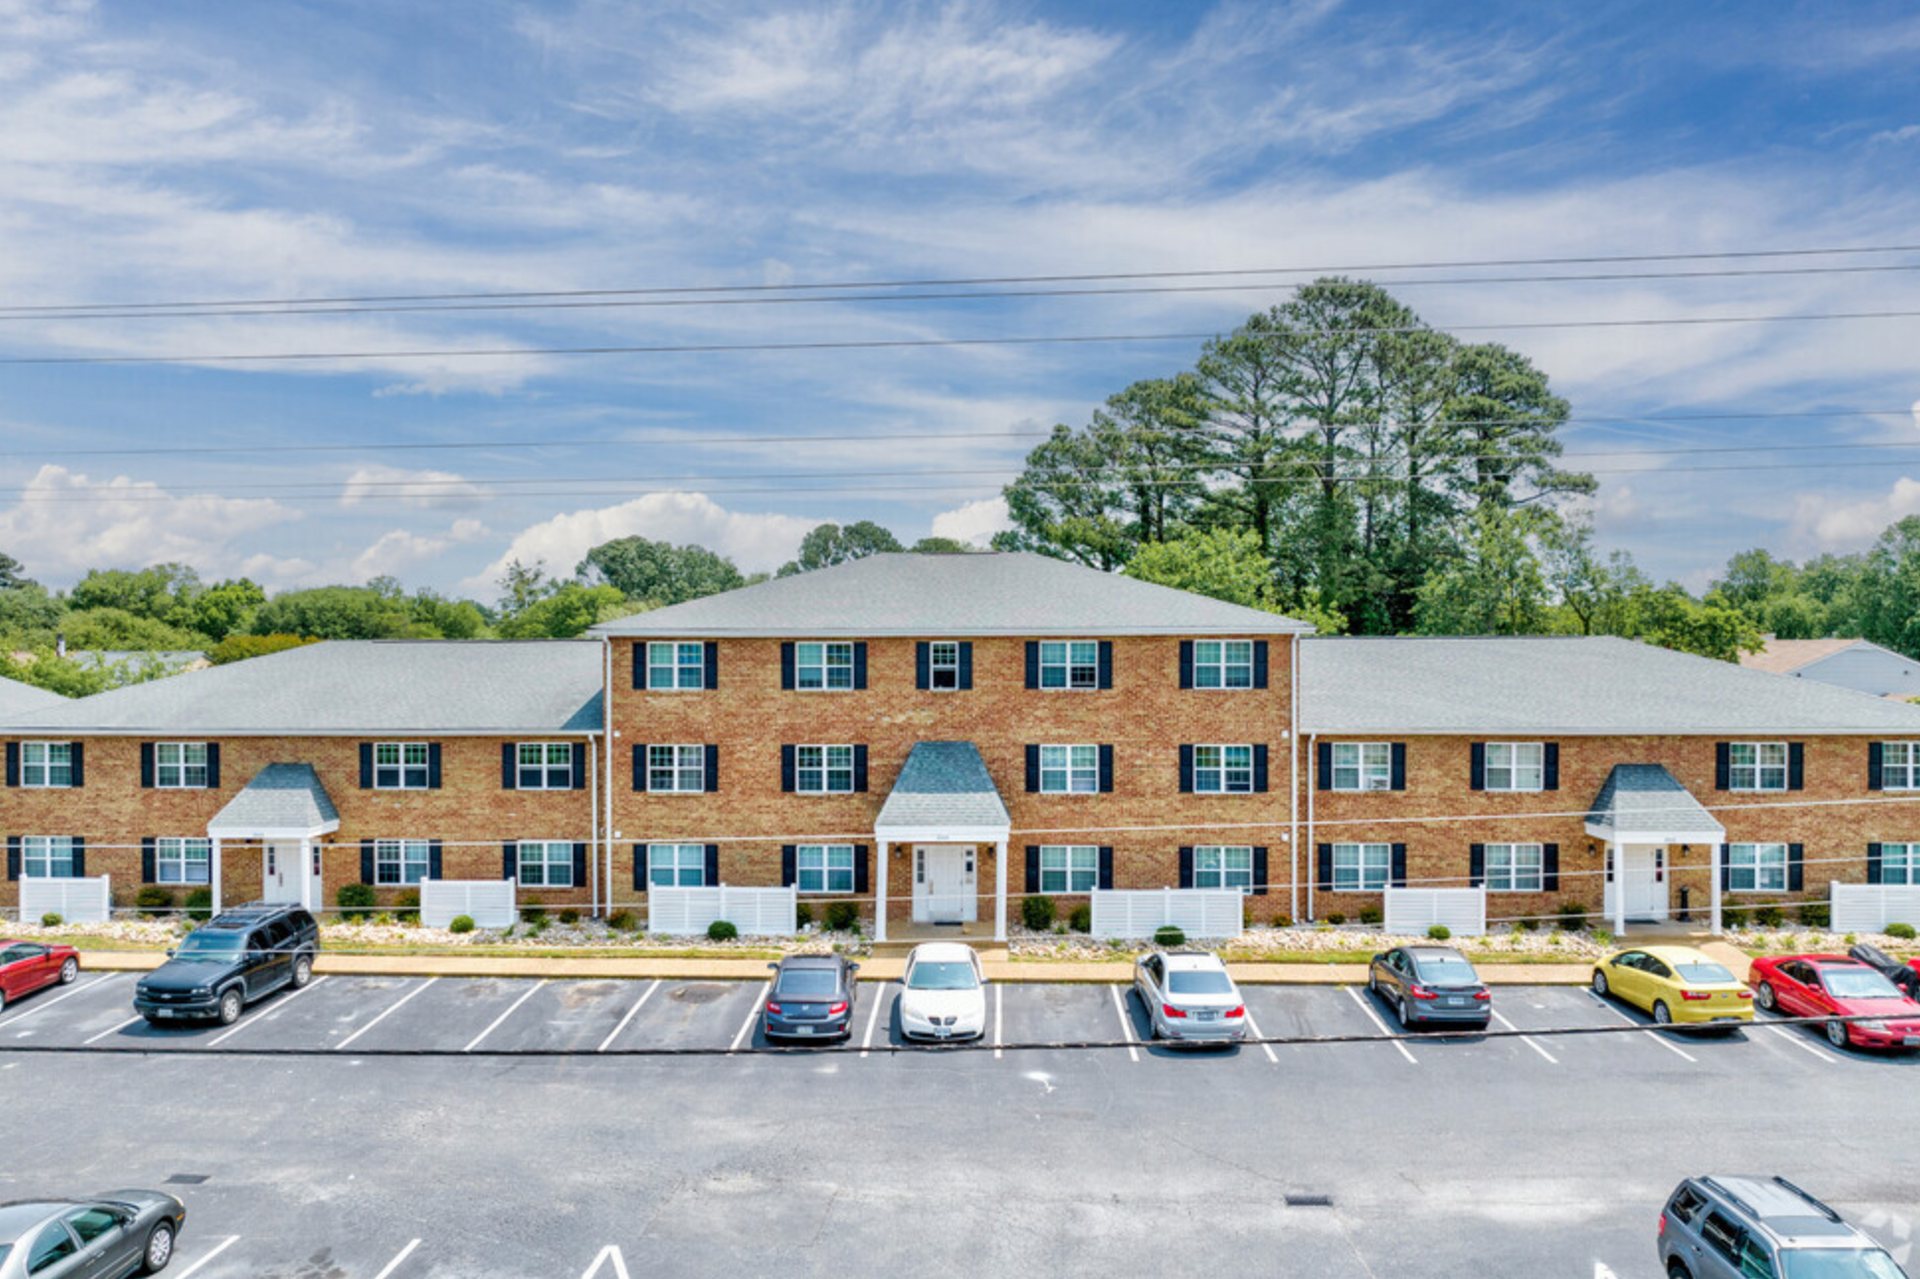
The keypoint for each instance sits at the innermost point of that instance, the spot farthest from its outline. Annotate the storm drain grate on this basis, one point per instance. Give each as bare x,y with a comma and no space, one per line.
1309,1201
186,1179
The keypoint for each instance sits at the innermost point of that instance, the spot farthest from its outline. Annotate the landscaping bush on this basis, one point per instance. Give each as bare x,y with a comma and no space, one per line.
1528,922
51,919
622,921
200,904
383,920
1767,915
569,916
1816,914
1336,917
1903,931
721,930
407,903
1081,921
843,917
1168,936
803,915
1372,915
1573,916
1283,921
1439,932
1037,913
461,924
354,900
534,911
153,899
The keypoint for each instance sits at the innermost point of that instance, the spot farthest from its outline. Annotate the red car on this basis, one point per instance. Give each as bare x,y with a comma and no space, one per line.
26,966
1836,986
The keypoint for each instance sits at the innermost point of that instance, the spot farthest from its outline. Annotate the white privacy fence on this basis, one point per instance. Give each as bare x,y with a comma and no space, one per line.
1869,908
77,901
1197,912
763,912
487,902
1412,911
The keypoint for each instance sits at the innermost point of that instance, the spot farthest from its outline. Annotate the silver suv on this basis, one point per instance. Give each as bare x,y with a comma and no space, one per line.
1762,1228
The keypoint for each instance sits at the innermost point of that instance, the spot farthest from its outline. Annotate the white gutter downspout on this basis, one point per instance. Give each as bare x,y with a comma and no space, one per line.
606,711
593,809
1313,783
1293,786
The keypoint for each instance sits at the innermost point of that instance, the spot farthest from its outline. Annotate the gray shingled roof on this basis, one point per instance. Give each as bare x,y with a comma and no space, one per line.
943,784
436,687
280,797
989,593
18,699
1565,686
1647,798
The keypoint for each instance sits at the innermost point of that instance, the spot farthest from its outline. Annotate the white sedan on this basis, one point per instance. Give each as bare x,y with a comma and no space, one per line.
945,993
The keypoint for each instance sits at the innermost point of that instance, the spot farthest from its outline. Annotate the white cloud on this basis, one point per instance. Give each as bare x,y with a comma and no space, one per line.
1825,522
426,490
974,522
402,548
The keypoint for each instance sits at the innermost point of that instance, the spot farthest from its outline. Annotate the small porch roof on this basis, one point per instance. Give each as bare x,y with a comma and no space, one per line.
943,793
1645,804
283,801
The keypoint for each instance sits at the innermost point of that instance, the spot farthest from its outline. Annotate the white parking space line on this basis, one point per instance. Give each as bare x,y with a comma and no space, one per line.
1255,1028
25,1013
1374,1017
390,1008
1656,1036
610,1253
1126,1022
503,1016
219,1248
1794,1037
1525,1039
221,1039
395,1263
112,1030
873,1019
746,1027
999,994
608,1041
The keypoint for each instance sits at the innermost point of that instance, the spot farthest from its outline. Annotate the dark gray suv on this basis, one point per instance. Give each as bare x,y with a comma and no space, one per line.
1762,1228
230,961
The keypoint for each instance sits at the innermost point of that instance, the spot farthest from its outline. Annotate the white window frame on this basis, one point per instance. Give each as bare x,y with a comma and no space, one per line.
173,864
1369,766
1072,666
1069,770
1905,864
1223,866
45,765
1758,769
823,769
685,865
1758,864
402,765
828,664
943,664
1908,767
823,868
670,761
400,863
1224,666
550,760
44,851
177,772
1515,868
1069,868
1227,773
549,871
669,667
1355,868
1515,768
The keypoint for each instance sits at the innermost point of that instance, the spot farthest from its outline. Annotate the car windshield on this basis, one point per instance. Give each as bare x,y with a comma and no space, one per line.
1838,1263
1448,972
1198,983
212,943
1859,983
943,974
808,981
1703,974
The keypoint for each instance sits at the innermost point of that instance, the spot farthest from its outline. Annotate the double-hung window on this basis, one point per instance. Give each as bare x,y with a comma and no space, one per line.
1900,765
1069,664
1069,868
673,666
1515,868
545,766
823,770
943,665
1224,770
1361,868
46,763
400,766
677,865
1900,863
1362,766
46,857
180,861
676,768
1069,770
1516,766
180,765
400,861
1223,664
1759,868
546,863
823,666
824,868
1757,766
1223,866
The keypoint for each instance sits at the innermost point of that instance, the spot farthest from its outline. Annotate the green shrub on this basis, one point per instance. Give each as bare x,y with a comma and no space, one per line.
1167,937
1573,916
622,921
569,916
1903,931
1528,922
354,900
1816,914
383,920
1283,921
1767,915
1439,932
461,924
843,917
721,930
151,898
803,915
51,919
200,904
1372,915
407,903
1081,920
533,911
1336,917
1602,937
1037,913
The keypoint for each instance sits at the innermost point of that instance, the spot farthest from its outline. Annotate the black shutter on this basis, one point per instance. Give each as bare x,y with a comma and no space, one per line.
713,864
639,767
1260,768
1033,663
149,860
433,765
1106,867
922,665
1186,663
1186,865
1550,868
366,768
1796,868
146,765
786,664
1033,868
713,664
1477,866
1324,870
789,865
509,766
640,665
1873,765
1106,770
786,769
1033,770
366,861
579,865
1399,866
509,860
639,868
712,769
1323,766
13,763
1259,870
966,663
860,770
862,875
13,857
1873,863
213,765
1106,663
79,848
1186,770
579,778
79,764
1796,766
1398,753
1260,663
434,864
1477,768
1726,869
1723,765
1550,770
860,664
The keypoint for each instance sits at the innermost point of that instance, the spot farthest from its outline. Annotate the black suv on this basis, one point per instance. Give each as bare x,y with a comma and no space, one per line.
227,962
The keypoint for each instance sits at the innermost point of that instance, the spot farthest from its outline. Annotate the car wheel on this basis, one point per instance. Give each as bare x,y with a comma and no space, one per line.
1837,1034
1599,983
1662,1014
159,1250
1373,985
1406,1017
230,1005
1765,997
302,972
1676,1269
3,999
69,971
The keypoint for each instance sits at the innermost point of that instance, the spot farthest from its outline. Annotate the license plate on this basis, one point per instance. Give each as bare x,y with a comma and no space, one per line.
803,1030
163,1012
1913,1041
1205,1016
1456,1001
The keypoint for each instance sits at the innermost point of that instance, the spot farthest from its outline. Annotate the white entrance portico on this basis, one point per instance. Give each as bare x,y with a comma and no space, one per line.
285,809
943,807
1641,814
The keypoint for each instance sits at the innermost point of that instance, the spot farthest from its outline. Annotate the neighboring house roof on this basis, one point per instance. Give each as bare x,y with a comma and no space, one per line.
990,593
422,687
1782,657
943,784
1646,802
1564,685
18,699
281,797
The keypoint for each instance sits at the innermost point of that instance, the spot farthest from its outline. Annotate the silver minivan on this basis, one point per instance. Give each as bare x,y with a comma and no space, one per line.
1762,1228
1189,998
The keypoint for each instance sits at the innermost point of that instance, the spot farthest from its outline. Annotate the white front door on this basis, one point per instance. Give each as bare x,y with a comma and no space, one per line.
280,873
944,884
1640,871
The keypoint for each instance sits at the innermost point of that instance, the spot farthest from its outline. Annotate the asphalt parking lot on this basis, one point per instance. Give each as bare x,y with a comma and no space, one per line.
1527,1154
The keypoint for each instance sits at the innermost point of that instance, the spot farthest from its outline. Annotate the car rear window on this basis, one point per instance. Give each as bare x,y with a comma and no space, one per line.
1704,974
1859,983
1198,983
949,974
1837,1263
808,981
211,943
1448,972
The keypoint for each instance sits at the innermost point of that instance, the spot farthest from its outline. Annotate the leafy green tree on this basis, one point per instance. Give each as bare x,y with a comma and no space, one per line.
1673,619
239,648
829,544
1754,577
658,572
1496,584
13,573
523,584
567,612
221,609
337,612
1067,504
1885,599
69,678
436,616
29,615
116,628
1225,564
942,546
158,592
1505,419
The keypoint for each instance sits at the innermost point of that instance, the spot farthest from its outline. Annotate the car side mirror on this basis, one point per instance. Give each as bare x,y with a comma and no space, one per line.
773,967
169,952
853,968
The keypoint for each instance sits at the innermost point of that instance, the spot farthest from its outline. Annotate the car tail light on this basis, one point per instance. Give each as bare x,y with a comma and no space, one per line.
1171,1011
1746,994
1483,994
1696,994
1239,1010
773,1008
835,1010
1421,992
1663,1223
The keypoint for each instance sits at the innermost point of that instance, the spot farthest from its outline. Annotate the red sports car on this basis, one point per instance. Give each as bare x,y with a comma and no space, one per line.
26,966
1836,986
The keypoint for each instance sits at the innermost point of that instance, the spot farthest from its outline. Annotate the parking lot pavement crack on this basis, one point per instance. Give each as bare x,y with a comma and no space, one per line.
1218,1158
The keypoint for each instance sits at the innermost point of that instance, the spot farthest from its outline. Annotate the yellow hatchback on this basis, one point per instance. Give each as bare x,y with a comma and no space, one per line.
1676,984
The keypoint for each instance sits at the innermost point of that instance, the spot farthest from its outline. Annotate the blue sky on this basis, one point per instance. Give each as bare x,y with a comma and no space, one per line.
162,152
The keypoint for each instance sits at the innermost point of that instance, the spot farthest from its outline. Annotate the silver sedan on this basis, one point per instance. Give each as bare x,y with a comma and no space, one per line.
1189,998
124,1232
